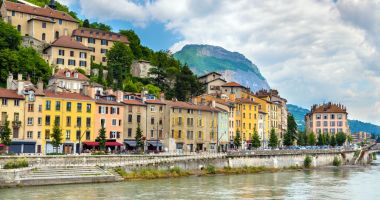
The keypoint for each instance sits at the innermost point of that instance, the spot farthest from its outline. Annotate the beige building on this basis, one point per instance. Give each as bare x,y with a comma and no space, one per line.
44,24
213,82
99,42
327,118
134,116
66,53
156,132
67,80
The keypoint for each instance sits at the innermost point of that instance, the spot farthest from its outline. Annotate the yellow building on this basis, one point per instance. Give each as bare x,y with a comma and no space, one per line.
74,113
100,42
65,53
44,24
246,118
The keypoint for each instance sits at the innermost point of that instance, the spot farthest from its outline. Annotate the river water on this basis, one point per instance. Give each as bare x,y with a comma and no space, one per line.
326,183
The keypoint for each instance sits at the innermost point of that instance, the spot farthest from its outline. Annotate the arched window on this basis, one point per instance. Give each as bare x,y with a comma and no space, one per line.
43,36
56,35
19,28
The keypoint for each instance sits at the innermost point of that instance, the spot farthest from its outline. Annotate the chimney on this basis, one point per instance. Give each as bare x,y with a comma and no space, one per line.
20,87
119,95
195,100
9,81
40,85
19,77
162,96
213,104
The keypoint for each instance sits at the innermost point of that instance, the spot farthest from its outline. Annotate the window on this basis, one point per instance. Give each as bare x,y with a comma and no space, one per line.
4,102
332,123
57,120
113,134
47,134
93,50
56,35
129,132
325,116
71,62
325,130
129,108
30,107
179,134
114,122
152,108
179,120
43,37
61,52
68,106
82,55
88,122
102,109
39,121
60,21
91,40
79,107
68,121
152,120
88,135
47,120
340,123
29,134
43,24
19,28
103,51
48,105
200,135
92,58
60,61
78,135
332,116
318,123
129,118
151,133
340,116
71,53
13,13
88,108
30,120
39,108
325,123
318,116
332,130
104,59
79,121
102,122
39,135
57,105
104,42
68,133
138,118
78,38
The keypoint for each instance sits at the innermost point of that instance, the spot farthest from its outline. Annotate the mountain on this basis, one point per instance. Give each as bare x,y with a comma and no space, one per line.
355,125
232,65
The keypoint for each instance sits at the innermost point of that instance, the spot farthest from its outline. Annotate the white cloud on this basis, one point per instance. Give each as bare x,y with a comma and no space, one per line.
312,51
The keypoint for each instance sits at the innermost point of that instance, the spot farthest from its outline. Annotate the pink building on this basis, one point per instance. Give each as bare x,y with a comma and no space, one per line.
327,118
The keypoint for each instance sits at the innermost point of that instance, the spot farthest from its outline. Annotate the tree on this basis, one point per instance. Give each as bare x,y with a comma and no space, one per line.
340,138
320,140
152,89
101,26
134,42
237,139
311,139
288,138
119,60
301,139
10,38
256,143
333,140
5,134
187,85
326,139
102,138
56,136
86,23
292,128
273,140
139,138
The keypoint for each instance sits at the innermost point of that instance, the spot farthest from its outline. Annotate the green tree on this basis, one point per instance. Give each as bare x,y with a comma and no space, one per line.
237,139
5,134
134,42
102,138
340,138
288,138
256,143
301,138
139,138
56,136
86,23
311,139
101,26
320,140
292,128
333,140
10,38
326,139
119,60
152,89
273,139
187,85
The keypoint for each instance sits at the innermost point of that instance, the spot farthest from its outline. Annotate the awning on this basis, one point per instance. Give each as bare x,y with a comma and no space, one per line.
93,144
2,145
113,144
131,143
22,142
155,143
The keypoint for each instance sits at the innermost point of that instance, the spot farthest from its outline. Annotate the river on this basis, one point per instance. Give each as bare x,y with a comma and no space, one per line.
327,183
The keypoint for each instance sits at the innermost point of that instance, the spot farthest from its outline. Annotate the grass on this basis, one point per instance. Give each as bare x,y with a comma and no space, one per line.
15,164
152,173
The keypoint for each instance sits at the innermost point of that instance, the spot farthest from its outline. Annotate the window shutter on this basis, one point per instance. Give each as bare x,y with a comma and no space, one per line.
106,110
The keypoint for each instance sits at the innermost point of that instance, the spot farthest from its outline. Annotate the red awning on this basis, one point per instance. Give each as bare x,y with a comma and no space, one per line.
113,144
2,145
94,144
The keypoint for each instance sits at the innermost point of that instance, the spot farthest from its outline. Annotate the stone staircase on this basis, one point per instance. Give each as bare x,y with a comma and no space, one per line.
67,175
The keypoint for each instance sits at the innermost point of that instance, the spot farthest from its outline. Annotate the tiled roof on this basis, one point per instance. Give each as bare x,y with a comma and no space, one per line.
45,12
103,101
66,95
9,94
67,42
133,102
232,84
42,19
61,74
99,34
204,75
187,105
155,101
328,108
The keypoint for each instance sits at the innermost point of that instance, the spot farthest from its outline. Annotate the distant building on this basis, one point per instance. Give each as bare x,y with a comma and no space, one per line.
360,137
140,68
327,118
213,82
67,80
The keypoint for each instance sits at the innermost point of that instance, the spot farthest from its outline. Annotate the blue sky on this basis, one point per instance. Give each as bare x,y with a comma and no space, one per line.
312,51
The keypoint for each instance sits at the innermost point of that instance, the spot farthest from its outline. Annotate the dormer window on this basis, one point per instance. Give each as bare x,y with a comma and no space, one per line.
76,75
68,74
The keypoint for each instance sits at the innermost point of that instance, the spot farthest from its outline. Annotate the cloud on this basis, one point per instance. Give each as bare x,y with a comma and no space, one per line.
312,51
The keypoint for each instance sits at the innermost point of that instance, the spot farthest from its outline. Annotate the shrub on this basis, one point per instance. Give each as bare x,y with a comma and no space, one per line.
121,172
19,163
307,162
337,161
210,169
374,156
175,170
99,153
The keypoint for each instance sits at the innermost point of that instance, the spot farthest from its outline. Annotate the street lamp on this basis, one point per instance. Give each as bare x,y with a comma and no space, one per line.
80,137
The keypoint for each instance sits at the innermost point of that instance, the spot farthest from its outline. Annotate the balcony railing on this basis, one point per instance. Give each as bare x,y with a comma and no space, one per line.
16,124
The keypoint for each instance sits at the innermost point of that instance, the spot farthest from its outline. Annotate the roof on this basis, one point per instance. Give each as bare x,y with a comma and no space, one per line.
215,80
328,108
232,84
61,74
44,12
244,100
44,19
155,101
107,102
67,42
9,94
134,102
66,95
99,34
188,105
204,75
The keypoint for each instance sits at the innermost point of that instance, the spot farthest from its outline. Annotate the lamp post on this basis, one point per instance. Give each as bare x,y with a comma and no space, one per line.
80,138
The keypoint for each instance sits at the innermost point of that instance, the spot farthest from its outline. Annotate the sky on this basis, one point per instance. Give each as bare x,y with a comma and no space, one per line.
312,51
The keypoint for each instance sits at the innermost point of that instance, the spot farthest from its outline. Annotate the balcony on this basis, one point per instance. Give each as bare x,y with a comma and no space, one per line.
16,124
